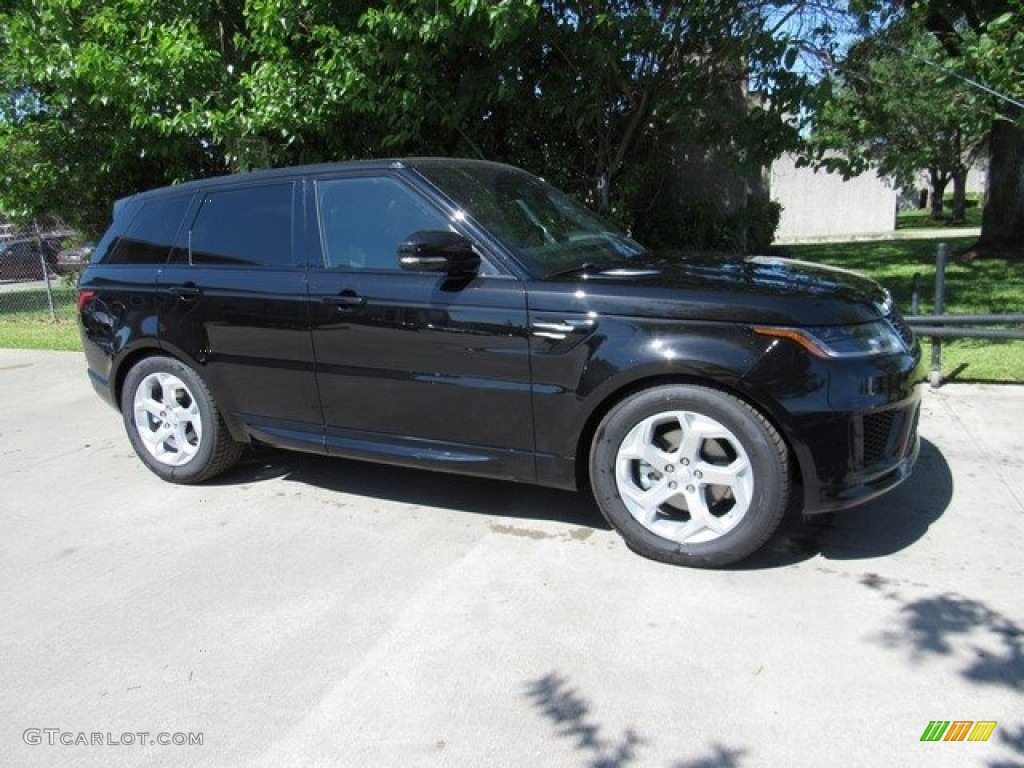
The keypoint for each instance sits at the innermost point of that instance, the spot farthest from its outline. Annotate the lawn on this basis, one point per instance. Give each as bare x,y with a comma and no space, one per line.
25,320
39,334
923,220
988,286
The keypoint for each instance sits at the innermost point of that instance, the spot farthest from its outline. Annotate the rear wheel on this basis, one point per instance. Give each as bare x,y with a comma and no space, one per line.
173,422
690,475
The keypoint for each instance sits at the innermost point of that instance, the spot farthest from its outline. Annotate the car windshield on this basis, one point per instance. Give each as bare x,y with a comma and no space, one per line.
547,231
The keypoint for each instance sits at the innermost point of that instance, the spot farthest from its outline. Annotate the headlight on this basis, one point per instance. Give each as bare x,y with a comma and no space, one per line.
863,340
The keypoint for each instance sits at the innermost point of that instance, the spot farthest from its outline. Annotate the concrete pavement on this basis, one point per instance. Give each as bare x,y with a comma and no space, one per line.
302,611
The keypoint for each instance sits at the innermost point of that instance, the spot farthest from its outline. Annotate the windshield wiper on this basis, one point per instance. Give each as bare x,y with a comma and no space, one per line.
586,268
593,268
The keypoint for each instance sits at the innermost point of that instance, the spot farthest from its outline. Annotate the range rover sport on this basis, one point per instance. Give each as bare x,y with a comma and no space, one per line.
465,316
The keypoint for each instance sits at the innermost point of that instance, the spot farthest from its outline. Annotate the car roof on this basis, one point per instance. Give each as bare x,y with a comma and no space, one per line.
305,170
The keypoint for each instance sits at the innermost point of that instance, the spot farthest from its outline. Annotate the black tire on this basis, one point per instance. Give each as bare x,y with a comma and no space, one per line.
205,447
748,450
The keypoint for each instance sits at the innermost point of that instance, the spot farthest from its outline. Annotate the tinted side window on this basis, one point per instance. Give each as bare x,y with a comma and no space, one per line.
363,219
148,239
251,226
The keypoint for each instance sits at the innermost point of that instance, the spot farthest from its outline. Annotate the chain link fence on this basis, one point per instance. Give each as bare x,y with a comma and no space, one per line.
39,268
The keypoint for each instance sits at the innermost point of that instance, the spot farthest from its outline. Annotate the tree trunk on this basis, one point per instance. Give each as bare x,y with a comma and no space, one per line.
1002,224
959,212
938,181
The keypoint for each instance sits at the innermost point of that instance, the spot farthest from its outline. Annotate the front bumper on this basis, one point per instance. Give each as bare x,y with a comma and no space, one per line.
882,447
852,424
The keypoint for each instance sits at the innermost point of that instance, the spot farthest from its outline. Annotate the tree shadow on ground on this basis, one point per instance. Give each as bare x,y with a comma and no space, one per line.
1011,737
940,625
570,714
881,527
988,644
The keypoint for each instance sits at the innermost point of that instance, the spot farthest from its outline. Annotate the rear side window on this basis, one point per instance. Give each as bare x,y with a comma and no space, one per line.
251,226
149,237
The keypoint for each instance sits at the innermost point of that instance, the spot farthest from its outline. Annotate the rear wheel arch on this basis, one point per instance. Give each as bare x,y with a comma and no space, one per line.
125,365
235,428
174,422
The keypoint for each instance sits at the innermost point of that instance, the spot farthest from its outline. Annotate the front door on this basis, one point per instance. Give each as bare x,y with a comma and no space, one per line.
415,367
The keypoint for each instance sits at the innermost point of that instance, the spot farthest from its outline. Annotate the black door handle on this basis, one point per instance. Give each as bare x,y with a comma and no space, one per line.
186,291
345,300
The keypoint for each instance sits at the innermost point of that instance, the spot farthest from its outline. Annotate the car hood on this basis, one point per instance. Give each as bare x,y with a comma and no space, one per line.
711,287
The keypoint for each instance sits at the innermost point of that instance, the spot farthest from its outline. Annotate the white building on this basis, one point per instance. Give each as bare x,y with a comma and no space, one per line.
821,205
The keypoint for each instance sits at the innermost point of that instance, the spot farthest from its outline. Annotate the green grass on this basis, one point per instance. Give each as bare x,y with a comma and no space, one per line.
25,320
39,334
923,220
986,286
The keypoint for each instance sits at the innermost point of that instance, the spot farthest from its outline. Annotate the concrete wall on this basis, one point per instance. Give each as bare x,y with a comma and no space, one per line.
820,205
977,178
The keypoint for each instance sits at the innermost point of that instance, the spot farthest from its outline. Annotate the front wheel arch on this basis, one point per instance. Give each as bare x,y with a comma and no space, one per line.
586,440
690,474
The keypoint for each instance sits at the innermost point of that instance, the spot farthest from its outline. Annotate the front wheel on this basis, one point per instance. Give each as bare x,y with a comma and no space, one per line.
173,422
690,475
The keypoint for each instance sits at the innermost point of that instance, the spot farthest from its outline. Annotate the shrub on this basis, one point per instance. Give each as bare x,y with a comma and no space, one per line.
704,225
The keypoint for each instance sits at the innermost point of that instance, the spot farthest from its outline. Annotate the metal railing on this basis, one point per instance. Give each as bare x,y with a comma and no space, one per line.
938,325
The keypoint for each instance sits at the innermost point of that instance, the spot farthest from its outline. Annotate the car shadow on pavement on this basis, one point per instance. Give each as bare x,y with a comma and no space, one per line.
419,487
876,529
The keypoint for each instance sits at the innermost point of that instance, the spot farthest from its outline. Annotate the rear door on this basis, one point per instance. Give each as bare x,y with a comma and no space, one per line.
233,299
414,367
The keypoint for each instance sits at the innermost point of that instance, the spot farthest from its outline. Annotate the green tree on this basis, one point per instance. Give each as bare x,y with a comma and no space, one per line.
101,100
986,40
893,106
92,102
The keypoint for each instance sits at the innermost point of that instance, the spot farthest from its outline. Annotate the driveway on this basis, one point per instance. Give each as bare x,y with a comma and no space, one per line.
302,611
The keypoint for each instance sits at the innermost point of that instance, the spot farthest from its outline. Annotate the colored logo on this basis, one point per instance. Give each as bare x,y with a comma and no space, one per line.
958,730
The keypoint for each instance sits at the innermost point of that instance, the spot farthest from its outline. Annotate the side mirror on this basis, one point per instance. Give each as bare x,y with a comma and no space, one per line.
438,251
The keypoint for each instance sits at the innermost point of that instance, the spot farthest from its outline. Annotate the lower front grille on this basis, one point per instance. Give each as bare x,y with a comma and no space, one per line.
877,435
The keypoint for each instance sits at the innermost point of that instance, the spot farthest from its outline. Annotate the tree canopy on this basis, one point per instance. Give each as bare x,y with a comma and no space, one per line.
895,105
100,100
988,38
984,40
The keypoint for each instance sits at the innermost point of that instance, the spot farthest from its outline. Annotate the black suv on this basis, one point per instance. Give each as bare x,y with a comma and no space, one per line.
24,258
465,316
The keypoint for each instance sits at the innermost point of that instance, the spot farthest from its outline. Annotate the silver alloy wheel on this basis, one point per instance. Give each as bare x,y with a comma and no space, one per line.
167,419
684,477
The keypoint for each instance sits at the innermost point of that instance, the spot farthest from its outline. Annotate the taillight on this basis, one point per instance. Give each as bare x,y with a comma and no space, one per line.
83,298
